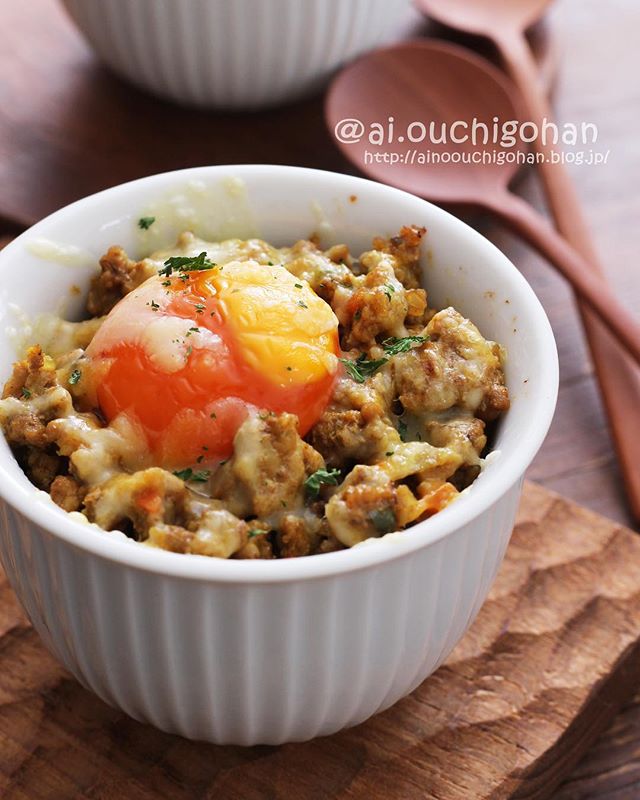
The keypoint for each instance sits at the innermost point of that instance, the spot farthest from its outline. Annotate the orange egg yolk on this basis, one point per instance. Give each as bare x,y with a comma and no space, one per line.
188,357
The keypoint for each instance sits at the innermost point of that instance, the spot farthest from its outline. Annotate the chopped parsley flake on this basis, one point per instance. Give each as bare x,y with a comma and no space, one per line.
255,532
167,282
302,305
298,285
319,477
186,264
362,368
383,519
154,305
394,345
144,223
389,290
75,377
25,393
402,430
199,476
389,453
189,351
199,308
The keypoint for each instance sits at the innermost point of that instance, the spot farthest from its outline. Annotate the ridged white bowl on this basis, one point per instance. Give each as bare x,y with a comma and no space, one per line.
233,53
253,652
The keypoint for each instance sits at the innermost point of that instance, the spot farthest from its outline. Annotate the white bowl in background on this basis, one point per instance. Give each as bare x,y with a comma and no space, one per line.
250,652
241,54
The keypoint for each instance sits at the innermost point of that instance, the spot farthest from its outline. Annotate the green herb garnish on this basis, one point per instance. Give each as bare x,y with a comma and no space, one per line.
362,368
394,345
25,393
389,290
319,477
186,264
146,222
302,305
154,305
75,377
255,532
402,430
383,519
200,476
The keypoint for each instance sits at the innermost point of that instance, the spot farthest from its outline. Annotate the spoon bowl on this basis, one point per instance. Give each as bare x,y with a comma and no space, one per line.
394,83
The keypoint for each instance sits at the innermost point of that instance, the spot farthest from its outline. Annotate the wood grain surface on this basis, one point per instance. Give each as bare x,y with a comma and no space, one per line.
68,128
542,671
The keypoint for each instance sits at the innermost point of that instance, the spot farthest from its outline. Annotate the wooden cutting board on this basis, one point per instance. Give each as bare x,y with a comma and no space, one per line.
552,655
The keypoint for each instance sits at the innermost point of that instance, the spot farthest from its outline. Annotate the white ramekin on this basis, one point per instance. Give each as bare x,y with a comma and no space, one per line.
253,652
233,53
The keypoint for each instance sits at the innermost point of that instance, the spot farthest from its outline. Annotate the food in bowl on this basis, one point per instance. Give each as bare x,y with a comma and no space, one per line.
235,399
344,635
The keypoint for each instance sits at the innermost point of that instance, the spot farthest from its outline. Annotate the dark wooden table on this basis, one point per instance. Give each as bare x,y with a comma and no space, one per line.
68,128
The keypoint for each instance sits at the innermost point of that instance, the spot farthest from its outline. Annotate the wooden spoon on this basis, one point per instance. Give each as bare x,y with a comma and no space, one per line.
437,82
505,24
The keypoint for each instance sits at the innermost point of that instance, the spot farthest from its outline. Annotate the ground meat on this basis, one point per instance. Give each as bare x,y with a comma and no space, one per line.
405,249
146,498
323,271
377,308
296,537
418,314
32,376
495,400
464,434
364,506
217,534
355,427
257,546
98,452
267,471
26,429
456,367
67,493
118,276
32,398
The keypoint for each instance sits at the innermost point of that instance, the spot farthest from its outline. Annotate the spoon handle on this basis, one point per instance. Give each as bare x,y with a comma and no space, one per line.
618,376
535,229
